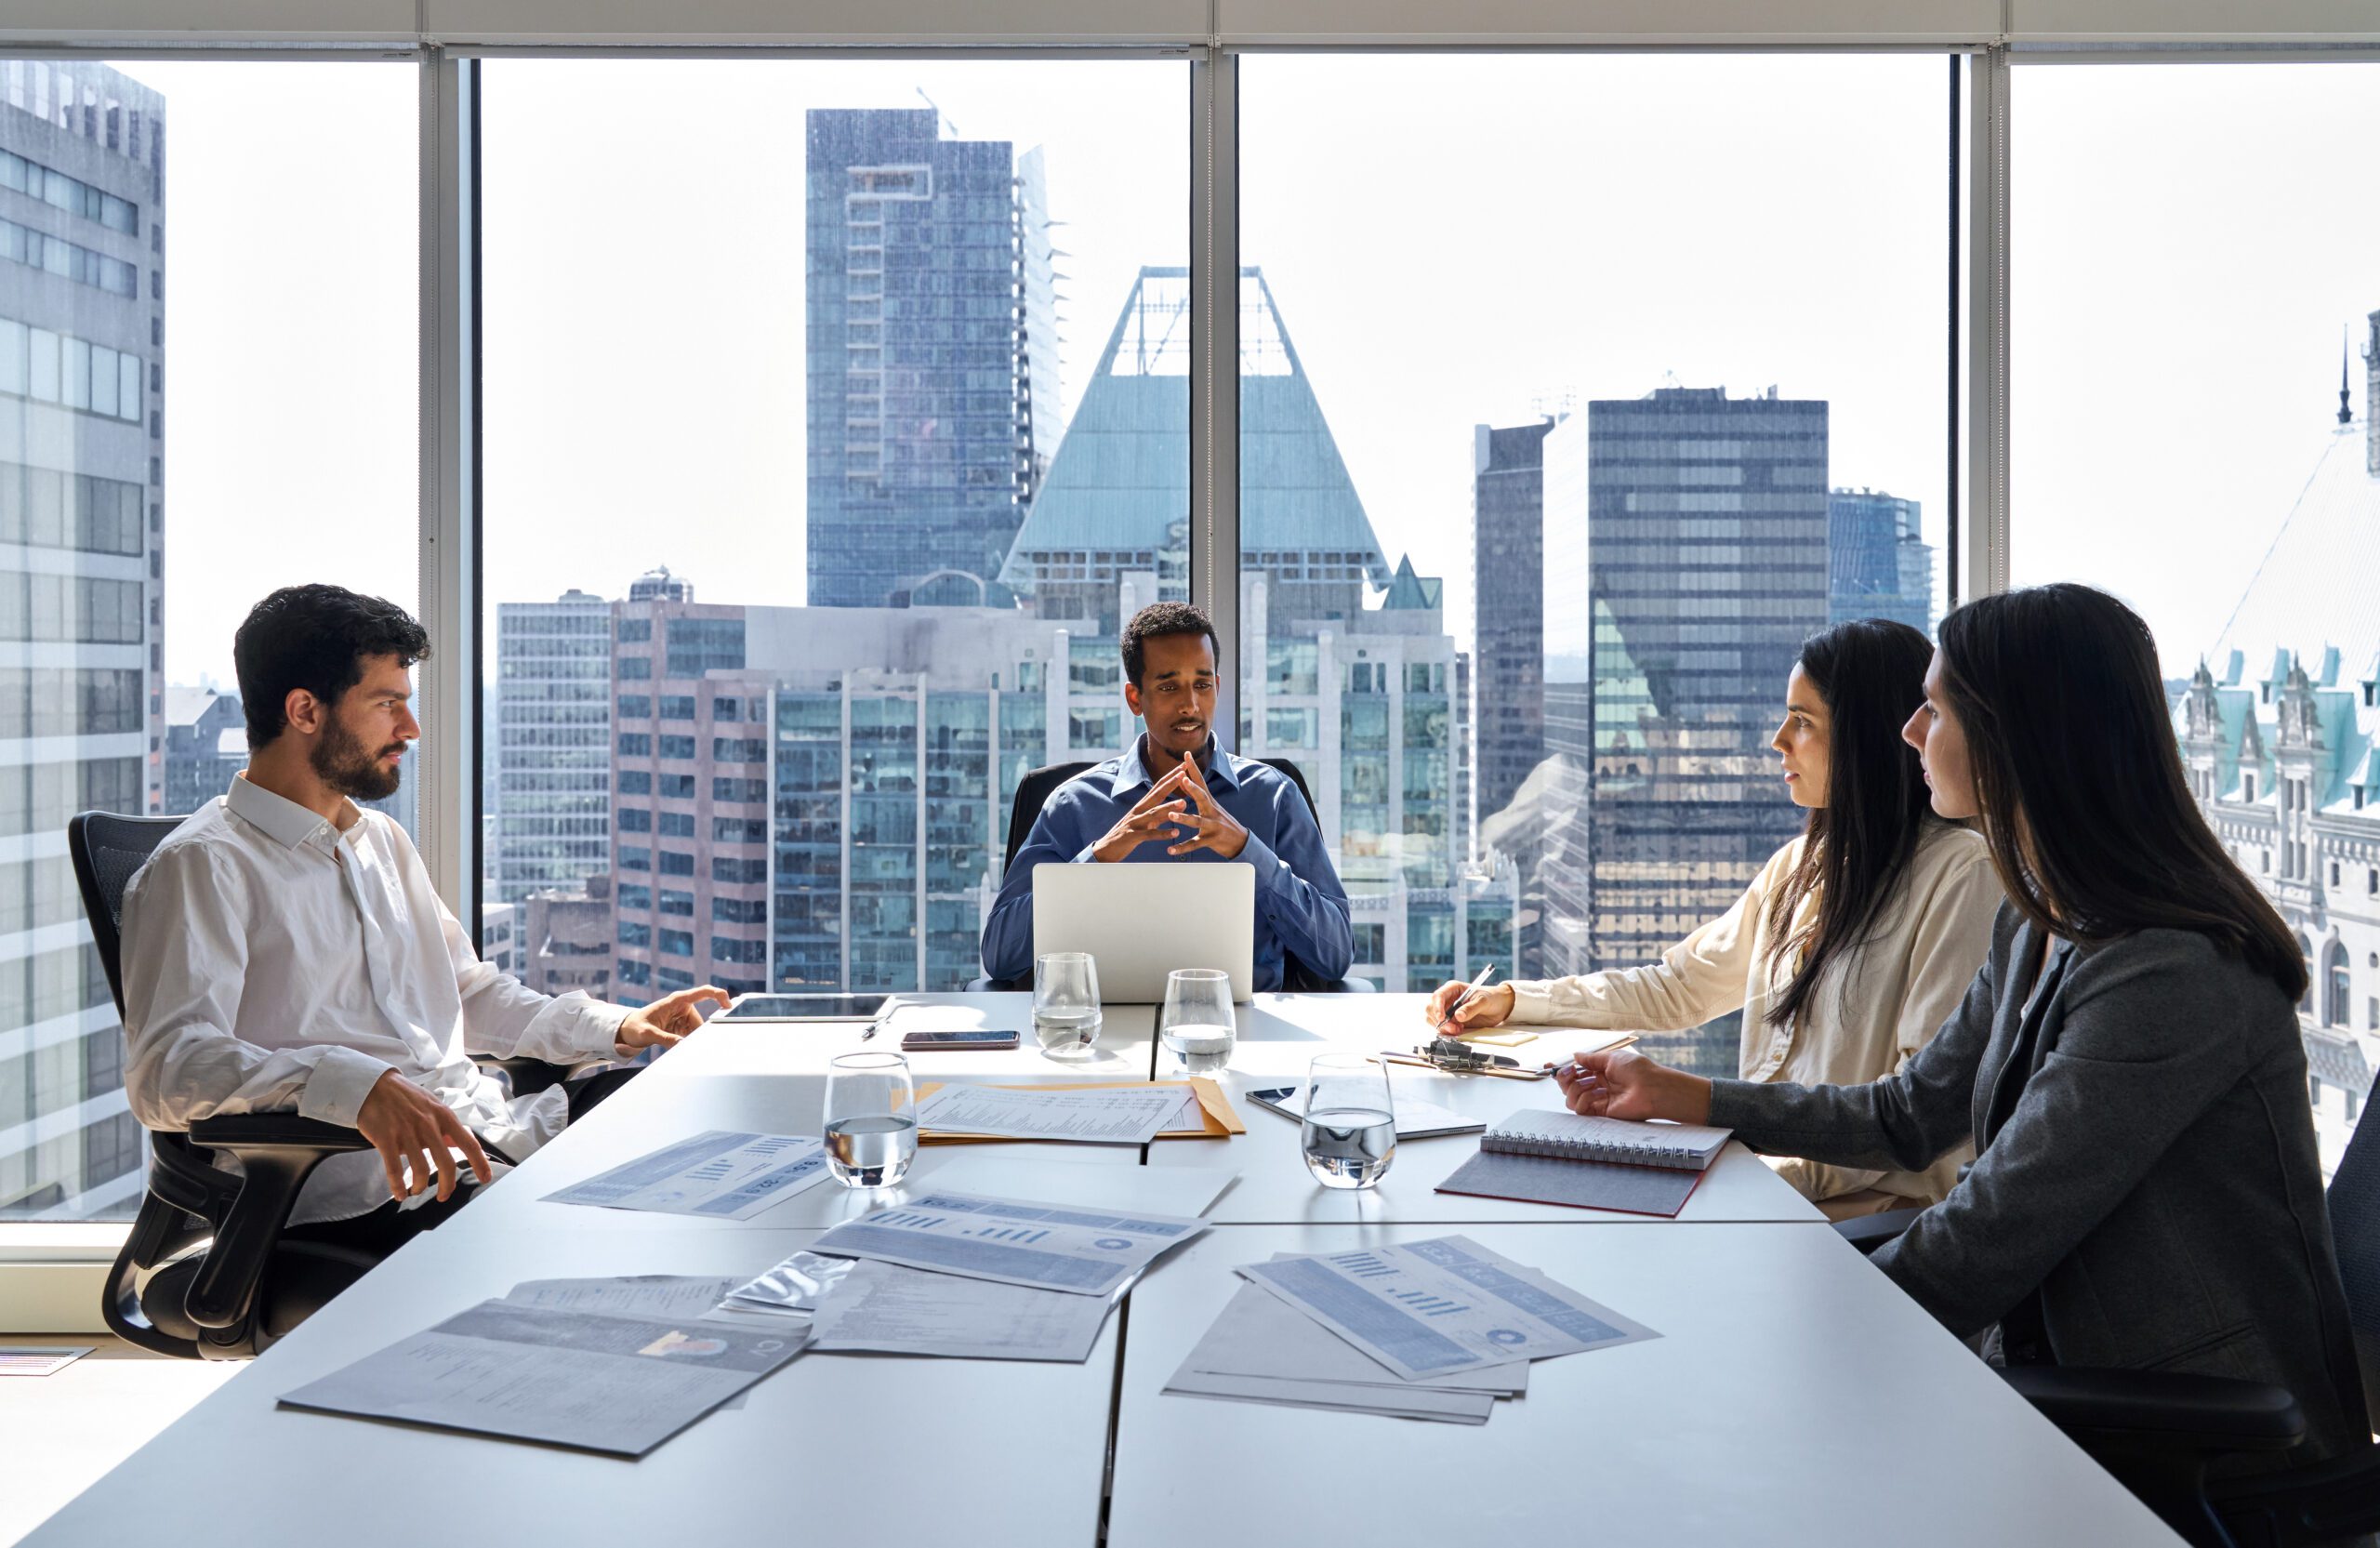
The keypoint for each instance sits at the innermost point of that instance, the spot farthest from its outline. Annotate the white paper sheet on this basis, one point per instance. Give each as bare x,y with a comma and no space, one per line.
998,1170
1404,1401
717,1174
1260,1334
42,1360
656,1295
616,1385
1117,1115
907,1311
1427,1308
1055,1247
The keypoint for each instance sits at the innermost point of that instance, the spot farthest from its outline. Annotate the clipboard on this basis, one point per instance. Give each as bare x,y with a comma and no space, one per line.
1222,1120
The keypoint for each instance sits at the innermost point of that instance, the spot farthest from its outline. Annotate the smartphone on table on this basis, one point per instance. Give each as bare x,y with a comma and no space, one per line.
957,1041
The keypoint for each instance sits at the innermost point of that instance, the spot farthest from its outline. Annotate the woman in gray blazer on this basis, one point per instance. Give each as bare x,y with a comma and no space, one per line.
2145,1193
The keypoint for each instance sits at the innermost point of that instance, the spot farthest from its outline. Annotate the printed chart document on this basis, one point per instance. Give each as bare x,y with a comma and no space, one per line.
1045,1245
616,1385
661,1295
1264,1350
724,1176
907,1311
1431,1308
1099,1114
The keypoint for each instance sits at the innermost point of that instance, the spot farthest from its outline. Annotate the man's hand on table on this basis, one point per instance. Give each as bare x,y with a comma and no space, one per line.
406,1124
663,1023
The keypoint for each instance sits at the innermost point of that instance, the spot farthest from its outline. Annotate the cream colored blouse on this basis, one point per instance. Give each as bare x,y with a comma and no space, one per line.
1881,1002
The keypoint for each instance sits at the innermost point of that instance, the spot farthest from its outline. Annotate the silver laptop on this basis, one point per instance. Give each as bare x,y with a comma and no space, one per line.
1140,921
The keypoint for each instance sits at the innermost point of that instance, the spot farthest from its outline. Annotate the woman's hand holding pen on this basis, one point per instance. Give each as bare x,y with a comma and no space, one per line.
1491,1007
1625,1084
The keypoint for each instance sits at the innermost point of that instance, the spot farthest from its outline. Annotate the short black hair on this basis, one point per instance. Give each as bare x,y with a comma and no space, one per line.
1156,622
314,638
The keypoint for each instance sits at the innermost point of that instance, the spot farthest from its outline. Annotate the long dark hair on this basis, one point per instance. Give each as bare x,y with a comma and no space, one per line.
1872,673
2067,728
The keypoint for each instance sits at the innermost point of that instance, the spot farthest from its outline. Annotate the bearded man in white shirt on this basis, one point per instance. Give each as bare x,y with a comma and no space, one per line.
283,949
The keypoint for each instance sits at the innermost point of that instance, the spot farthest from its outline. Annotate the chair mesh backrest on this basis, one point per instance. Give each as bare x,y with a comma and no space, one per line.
107,849
2355,1236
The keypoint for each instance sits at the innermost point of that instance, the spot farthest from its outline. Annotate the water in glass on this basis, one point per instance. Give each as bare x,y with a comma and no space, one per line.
1349,1132
1196,1024
872,1120
1065,1003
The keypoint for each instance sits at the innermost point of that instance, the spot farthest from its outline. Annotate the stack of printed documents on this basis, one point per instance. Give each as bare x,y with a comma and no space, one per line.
968,1276
1430,1329
616,1366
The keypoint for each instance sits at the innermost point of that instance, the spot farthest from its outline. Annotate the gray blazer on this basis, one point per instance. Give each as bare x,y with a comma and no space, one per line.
2145,1160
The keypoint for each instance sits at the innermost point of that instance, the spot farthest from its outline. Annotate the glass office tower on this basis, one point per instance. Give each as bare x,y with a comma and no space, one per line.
1879,564
550,797
932,356
82,713
1703,547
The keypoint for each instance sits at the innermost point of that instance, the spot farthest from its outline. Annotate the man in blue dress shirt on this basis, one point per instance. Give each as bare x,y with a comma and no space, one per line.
1178,797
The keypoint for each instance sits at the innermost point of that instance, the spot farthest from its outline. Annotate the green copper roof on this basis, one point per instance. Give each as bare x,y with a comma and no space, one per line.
1122,474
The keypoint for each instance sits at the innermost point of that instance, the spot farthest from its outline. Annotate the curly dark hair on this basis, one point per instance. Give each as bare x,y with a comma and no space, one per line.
314,638
1158,620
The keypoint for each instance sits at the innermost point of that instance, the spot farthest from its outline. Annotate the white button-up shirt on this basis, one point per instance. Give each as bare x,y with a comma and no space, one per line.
276,961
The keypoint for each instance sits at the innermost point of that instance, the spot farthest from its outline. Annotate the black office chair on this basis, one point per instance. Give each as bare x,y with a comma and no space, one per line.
247,1288
2159,1431
1033,792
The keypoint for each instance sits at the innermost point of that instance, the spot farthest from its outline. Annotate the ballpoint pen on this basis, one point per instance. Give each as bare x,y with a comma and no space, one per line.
1477,985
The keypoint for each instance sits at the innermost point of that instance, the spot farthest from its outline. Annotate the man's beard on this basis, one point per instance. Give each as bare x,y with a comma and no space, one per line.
339,762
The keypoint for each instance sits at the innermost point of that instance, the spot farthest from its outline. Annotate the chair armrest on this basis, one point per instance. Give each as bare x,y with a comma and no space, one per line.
527,1077
2162,1410
274,1131
2319,1503
1870,1232
277,1152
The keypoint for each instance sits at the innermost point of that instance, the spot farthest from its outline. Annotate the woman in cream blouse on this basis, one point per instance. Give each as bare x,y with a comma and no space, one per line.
1854,942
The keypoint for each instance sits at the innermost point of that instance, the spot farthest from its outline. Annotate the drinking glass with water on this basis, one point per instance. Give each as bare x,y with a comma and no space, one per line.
1349,1128
871,1120
1196,1023
1065,1003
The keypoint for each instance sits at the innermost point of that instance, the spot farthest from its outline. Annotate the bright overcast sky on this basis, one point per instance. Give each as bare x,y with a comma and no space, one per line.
1451,241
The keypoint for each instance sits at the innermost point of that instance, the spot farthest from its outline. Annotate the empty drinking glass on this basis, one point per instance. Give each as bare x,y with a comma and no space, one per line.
1349,1130
1065,1003
872,1120
1196,1023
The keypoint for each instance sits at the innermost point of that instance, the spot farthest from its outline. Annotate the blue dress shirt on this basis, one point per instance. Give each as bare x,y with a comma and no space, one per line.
1301,908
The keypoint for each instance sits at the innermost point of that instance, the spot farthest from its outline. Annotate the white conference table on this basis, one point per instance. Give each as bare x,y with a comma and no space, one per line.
1280,1035
1794,1397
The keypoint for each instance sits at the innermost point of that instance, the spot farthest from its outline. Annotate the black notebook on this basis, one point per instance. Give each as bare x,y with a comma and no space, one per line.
1589,1163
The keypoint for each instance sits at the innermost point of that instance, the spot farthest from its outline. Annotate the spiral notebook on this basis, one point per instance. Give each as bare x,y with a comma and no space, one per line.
1589,1163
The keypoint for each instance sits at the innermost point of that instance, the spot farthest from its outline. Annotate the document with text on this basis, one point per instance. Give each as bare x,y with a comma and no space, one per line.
616,1385
718,1174
1430,1308
907,1311
1097,1115
1016,1242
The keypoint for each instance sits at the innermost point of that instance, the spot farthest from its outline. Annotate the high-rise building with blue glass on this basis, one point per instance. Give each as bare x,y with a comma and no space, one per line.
1879,564
1701,549
82,546
931,318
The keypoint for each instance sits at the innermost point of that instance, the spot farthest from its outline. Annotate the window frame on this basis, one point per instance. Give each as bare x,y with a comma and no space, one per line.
51,1270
